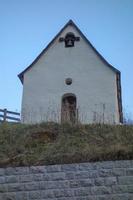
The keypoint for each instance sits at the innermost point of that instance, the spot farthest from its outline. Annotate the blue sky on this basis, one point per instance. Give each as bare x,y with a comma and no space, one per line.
27,26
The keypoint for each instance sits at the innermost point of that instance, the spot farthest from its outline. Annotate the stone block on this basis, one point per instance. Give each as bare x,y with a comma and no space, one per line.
119,172
8,196
3,188
129,171
2,171
12,179
125,180
121,197
38,177
86,182
74,183
63,193
16,170
37,169
34,195
15,187
86,174
69,167
100,190
2,179
88,197
31,186
122,189
82,191
53,184
54,176
119,189
70,175
123,163
86,166
104,197
22,196
93,174
99,182
53,168
108,181
105,172
26,178
105,165
45,194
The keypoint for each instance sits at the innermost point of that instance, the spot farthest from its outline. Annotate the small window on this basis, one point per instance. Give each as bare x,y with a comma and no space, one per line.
69,40
68,81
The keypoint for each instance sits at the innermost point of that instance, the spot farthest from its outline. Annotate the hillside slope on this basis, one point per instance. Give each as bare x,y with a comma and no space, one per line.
51,143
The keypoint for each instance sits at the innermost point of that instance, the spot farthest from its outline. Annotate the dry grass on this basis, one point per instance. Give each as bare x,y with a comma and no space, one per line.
51,143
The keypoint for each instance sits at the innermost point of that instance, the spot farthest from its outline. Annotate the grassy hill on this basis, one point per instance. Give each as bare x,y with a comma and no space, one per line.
51,143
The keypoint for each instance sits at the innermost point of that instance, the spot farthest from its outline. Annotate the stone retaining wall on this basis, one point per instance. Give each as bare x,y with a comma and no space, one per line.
110,180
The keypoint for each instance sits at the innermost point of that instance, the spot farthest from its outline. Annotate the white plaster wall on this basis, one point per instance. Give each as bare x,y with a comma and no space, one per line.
94,84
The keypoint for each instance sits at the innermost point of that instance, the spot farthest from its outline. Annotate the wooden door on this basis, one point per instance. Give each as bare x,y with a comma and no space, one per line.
68,109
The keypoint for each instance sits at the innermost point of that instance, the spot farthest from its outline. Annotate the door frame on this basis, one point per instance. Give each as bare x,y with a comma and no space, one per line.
66,115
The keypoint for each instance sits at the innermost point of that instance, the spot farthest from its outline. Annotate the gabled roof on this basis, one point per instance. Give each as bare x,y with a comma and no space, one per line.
70,22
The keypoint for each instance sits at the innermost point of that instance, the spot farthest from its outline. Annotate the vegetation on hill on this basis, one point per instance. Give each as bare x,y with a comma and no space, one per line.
51,143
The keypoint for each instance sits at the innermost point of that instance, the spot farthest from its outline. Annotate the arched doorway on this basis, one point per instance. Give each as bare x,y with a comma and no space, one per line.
68,108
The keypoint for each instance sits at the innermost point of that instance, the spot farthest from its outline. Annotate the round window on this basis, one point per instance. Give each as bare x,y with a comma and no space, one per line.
68,81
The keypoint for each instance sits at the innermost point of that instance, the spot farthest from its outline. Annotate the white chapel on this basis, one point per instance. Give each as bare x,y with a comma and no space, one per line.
71,82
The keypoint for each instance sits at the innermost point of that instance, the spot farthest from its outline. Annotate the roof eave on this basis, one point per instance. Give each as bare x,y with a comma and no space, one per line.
21,76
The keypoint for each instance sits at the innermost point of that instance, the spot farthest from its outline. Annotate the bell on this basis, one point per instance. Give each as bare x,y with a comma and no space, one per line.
69,42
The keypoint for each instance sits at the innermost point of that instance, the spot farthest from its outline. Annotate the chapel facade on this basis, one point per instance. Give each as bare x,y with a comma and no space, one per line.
71,82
